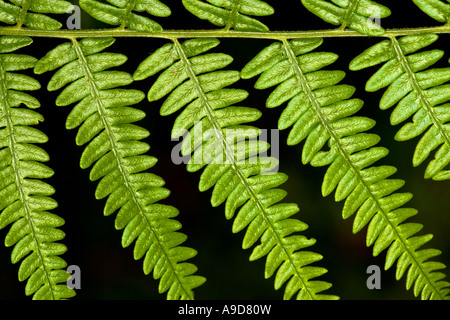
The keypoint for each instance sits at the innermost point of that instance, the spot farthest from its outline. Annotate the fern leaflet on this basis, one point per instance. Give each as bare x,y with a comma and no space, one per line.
117,156
416,92
219,141
231,13
320,110
358,15
25,200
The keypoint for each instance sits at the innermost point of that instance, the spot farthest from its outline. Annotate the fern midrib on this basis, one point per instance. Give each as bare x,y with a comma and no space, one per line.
18,177
416,87
304,84
128,10
23,13
348,14
101,111
230,156
233,15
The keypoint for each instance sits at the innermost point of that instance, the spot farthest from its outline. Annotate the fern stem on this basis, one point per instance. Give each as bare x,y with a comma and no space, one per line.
125,176
417,88
232,159
180,34
19,178
337,142
23,13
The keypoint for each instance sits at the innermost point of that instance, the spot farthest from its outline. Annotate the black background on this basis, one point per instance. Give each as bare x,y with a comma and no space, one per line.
109,271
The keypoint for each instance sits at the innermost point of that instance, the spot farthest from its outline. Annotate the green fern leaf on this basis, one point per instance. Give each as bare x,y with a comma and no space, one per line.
231,13
120,13
417,92
30,13
117,156
25,200
321,111
358,15
220,142
436,9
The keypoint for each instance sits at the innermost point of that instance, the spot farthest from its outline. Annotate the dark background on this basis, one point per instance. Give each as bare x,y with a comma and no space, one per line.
108,271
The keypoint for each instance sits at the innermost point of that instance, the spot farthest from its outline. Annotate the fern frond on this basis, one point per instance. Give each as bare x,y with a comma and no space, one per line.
358,15
231,13
321,111
437,9
220,142
117,156
31,13
418,92
25,200
120,13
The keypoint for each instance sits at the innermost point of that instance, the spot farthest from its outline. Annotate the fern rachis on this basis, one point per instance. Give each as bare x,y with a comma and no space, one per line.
116,156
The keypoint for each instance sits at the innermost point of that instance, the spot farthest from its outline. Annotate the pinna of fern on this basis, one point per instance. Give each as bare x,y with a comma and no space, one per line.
417,92
220,142
320,111
25,199
118,158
